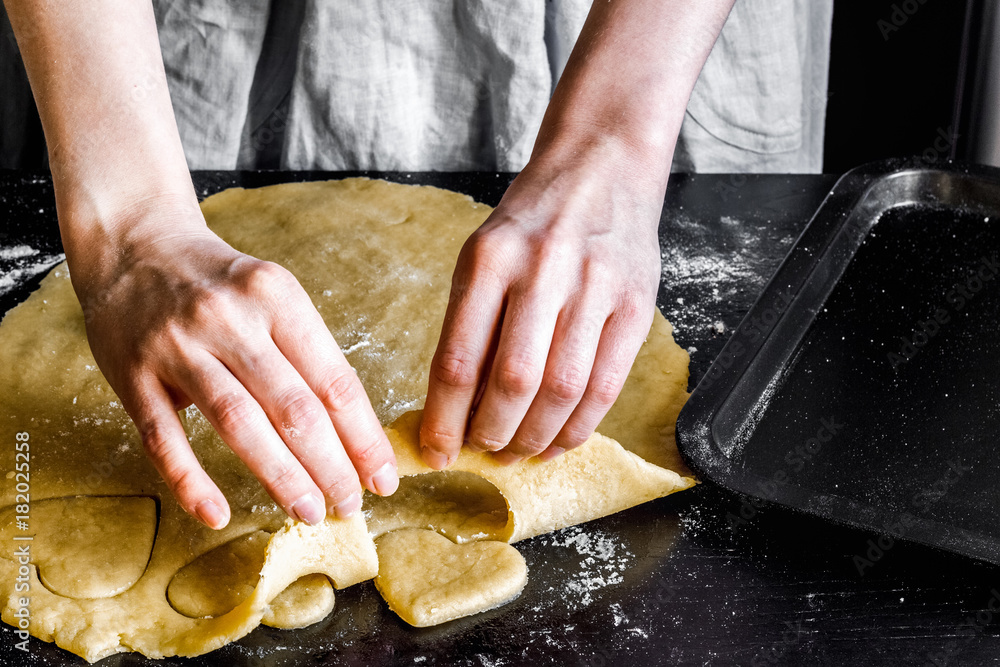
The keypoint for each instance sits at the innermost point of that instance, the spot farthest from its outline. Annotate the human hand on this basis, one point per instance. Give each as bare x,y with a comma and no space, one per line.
180,317
551,299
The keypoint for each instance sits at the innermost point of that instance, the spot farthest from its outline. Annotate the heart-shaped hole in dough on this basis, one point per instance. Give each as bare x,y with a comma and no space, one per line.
85,546
460,505
217,581
427,579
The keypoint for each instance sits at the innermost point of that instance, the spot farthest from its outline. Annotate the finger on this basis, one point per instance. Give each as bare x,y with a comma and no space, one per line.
244,426
167,446
302,422
303,338
470,323
567,373
621,338
516,372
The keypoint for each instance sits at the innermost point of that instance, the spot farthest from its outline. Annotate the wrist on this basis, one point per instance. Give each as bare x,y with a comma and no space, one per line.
588,142
578,166
100,242
625,153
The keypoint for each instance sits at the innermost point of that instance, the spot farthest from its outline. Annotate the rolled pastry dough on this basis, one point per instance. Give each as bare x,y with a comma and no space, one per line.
376,258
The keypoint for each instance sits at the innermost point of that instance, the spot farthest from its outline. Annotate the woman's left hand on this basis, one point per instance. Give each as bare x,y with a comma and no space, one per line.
550,301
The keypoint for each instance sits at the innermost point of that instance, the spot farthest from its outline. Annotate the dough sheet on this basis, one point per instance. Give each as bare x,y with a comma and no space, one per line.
117,566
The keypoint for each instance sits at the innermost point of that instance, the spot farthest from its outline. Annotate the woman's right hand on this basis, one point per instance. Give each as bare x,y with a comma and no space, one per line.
174,315
180,317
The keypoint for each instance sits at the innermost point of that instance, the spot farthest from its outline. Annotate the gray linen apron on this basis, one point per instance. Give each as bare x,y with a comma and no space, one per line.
450,84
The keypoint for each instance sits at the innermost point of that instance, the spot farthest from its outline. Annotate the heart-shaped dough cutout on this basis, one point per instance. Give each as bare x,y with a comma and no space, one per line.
427,579
108,538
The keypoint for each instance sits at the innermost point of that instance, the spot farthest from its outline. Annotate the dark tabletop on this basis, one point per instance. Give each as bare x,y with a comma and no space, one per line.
701,577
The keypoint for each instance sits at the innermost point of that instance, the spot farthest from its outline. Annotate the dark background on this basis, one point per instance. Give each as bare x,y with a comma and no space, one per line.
891,91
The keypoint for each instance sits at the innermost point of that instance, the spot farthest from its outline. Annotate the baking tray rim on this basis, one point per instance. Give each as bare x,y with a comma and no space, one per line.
697,422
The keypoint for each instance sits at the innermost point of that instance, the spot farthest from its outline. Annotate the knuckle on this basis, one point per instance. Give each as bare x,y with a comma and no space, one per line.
566,385
210,304
300,413
457,367
516,375
487,255
171,338
528,445
182,480
604,388
268,279
183,483
553,253
155,441
341,390
368,456
599,268
572,437
438,440
339,487
635,307
280,479
484,245
488,442
233,413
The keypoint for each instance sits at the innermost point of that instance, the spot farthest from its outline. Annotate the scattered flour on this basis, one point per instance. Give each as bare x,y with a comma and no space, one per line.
619,616
364,340
709,278
604,560
20,263
17,252
706,268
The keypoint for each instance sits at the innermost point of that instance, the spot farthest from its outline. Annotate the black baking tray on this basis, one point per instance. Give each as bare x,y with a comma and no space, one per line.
864,384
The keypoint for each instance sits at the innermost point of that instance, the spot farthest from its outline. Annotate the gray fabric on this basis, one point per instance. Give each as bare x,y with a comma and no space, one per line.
210,50
760,102
418,85
563,21
267,112
427,84
459,84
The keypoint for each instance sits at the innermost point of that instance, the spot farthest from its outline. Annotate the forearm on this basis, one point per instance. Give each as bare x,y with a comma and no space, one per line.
629,78
97,76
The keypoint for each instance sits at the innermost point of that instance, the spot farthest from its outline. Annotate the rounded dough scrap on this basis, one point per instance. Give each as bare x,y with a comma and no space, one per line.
307,600
79,553
427,579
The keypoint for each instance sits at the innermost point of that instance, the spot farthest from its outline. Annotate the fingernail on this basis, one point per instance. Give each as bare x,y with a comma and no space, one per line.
551,453
309,508
386,480
211,515
348,507
505,458
434,459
